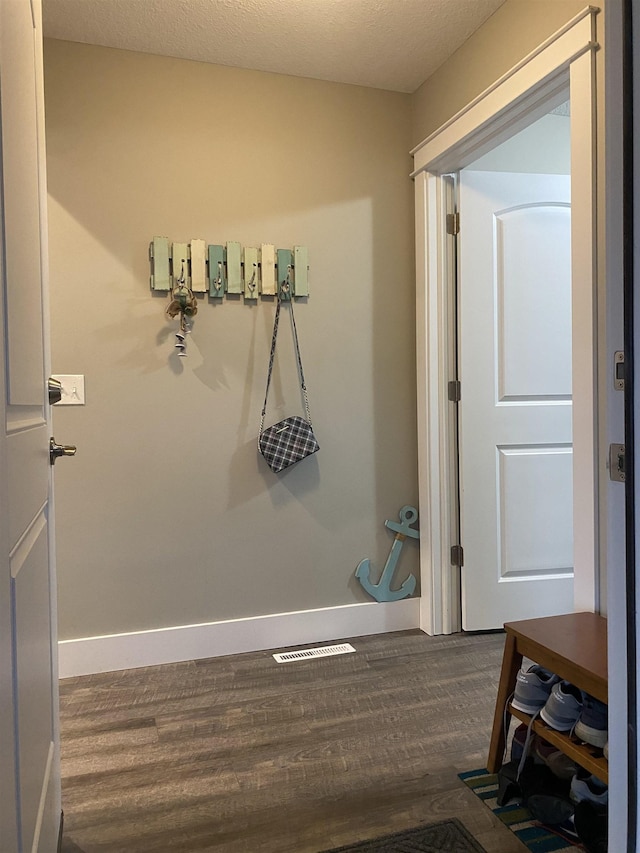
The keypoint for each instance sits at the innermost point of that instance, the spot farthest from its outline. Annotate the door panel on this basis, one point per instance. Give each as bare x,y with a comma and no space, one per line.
516,495
33,666
533,303
21,205
29,672
536,538
28,473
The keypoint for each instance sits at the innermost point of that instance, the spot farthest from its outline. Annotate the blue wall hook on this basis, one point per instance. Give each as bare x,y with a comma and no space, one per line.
382,591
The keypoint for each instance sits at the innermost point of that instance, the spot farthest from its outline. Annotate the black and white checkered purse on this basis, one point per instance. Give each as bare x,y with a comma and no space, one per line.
290,440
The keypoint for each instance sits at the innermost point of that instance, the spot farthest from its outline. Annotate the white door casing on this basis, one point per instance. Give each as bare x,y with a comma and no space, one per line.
564,65
31,782
515,413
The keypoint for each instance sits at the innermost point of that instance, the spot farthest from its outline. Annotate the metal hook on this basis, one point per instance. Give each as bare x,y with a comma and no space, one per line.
285,287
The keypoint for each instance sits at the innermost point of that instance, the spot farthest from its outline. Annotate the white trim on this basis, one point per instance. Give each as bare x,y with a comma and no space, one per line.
437,612
565,62
584,340
512,71
508,102
613,497
234,636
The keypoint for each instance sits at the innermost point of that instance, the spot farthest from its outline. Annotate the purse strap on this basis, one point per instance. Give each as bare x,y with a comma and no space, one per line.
271,356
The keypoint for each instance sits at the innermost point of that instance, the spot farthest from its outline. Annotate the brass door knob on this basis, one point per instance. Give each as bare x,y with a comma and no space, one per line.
56,450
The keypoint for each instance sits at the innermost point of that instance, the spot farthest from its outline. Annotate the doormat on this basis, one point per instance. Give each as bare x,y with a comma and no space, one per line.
534,835
446,836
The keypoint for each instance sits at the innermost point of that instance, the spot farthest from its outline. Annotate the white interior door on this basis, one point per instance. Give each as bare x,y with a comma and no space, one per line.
30,796
516,497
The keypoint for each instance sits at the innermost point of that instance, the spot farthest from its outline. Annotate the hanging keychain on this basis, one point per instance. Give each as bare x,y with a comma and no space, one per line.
184,303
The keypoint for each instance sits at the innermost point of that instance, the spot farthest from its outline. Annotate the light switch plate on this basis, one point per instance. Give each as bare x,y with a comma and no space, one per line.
72,389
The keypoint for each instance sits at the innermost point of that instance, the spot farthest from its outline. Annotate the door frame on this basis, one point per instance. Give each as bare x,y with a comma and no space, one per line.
563,64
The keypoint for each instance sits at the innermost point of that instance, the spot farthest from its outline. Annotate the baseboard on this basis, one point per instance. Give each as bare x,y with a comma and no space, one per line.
89,655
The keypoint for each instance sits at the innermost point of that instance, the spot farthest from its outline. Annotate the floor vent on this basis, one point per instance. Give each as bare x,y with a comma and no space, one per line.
320,652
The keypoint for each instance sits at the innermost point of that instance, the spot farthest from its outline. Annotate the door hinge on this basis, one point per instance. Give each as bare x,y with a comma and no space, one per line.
454,390
457,555
453,223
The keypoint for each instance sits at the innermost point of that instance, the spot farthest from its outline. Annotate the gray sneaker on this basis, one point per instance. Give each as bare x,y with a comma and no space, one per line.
563,707
584,786
592,726
533,687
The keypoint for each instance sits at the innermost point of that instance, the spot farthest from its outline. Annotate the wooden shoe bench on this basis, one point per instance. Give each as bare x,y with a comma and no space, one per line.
574,647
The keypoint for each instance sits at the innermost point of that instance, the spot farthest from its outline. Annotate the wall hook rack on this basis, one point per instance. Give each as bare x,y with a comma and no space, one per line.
220,270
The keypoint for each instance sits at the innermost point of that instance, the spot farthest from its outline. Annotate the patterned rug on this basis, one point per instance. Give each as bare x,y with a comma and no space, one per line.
446,836
534,835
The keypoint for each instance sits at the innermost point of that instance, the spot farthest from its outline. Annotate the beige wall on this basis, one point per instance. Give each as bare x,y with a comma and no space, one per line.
517,28
167,516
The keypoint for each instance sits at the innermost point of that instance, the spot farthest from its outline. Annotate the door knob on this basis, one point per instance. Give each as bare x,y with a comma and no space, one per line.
56,450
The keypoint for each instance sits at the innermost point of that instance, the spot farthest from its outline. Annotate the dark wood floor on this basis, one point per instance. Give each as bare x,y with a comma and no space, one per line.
243,755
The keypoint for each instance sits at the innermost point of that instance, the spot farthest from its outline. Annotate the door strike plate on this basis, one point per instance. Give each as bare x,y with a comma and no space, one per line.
617,463
618,371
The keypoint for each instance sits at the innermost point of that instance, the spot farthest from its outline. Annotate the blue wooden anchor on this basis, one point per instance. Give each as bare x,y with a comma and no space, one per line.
382,591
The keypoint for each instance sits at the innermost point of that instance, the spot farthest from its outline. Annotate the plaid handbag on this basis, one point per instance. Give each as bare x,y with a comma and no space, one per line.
290,440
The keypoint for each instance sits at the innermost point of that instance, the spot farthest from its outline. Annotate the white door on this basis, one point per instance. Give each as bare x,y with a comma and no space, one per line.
516,500
29,774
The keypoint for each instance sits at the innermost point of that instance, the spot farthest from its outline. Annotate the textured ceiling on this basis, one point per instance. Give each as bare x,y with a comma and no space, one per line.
386,44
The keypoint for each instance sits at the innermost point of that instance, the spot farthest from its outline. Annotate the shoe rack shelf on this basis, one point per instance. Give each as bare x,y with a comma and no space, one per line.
573,646
586,756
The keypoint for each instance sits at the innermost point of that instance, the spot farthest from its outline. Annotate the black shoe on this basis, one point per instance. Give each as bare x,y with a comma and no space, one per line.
550,809
546,796
592,826
508,787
